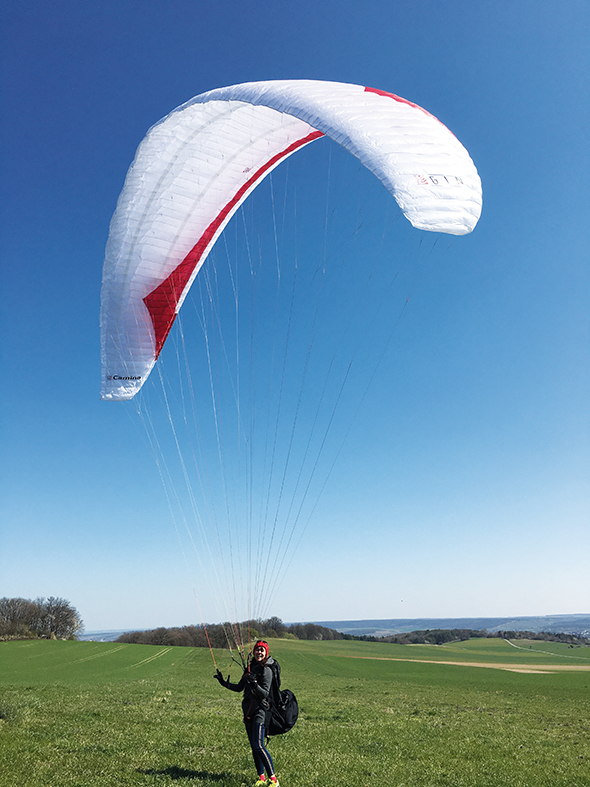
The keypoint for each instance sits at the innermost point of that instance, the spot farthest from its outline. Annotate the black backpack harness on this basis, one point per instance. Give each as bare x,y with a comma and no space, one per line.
284,710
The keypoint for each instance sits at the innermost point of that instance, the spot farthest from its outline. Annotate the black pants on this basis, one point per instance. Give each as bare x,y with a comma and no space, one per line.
262,758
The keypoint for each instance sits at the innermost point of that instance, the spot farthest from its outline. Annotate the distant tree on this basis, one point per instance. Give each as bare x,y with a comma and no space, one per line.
274,626
130,638
196,636
17,616
56,617
51,617
314,631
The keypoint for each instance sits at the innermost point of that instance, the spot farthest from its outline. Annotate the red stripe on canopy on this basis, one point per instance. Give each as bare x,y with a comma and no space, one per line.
401,100
396,98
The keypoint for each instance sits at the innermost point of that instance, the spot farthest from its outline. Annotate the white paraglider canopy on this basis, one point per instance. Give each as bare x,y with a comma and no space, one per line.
196,166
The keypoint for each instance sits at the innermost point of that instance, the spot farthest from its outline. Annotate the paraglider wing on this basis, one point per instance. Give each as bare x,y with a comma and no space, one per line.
196,166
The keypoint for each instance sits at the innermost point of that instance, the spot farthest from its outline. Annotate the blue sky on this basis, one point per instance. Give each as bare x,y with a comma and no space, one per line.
462,487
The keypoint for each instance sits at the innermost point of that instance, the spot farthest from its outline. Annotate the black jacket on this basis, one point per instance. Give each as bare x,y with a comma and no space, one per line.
256,685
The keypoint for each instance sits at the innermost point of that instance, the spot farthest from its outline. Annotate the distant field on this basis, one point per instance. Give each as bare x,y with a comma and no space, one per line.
481,713
518,656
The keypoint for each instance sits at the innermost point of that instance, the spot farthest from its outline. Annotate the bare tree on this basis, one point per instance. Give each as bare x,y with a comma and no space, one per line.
17,616
58,618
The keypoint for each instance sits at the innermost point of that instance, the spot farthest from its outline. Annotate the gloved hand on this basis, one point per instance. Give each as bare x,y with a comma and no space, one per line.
218,676
250,679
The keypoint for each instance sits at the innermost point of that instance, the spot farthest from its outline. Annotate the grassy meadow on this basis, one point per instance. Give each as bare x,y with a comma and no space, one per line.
481,713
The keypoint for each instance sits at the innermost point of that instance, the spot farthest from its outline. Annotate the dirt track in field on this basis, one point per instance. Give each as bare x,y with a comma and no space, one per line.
539,669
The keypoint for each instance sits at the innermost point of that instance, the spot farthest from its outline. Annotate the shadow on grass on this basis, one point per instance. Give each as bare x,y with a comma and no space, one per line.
176,773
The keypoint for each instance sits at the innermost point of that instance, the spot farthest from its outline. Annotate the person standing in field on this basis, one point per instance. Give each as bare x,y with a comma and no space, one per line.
256,684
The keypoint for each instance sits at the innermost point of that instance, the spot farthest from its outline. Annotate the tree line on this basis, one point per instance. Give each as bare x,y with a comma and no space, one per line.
218,635
56,618
52,618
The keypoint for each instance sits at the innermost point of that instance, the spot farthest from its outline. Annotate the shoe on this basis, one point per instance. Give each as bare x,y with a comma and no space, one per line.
261,783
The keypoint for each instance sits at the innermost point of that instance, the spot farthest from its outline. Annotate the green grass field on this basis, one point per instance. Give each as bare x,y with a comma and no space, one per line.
92,714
